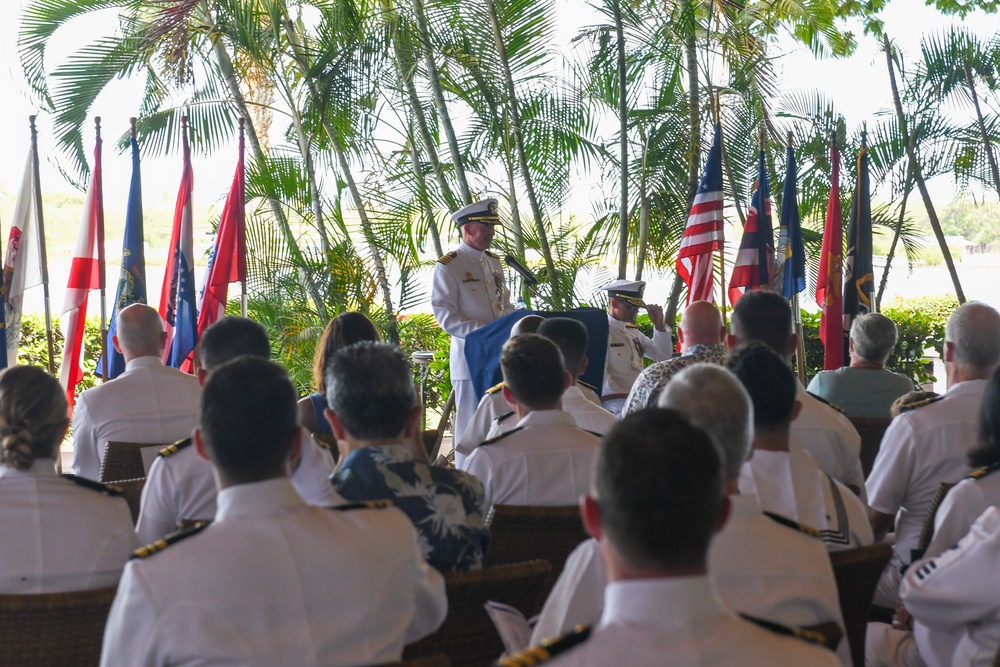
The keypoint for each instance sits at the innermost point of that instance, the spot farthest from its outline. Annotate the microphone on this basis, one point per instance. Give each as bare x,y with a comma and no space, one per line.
528,276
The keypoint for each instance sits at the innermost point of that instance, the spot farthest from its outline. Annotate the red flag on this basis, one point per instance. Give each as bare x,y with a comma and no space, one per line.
84,275
829,285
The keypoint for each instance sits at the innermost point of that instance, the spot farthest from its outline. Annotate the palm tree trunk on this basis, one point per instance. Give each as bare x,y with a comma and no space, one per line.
623,134
640,259
982,124
314,193
918,176
522,159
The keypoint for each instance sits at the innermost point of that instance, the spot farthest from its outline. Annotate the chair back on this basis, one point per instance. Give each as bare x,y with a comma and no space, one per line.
467,635
857,571
927,530
123,460
527,532
54,629
131,490
871,430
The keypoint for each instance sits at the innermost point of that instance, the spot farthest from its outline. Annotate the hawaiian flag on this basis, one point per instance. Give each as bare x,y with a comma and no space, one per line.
791,252
177,299
755,259
859,275
132,282
703,234
829,286
84,275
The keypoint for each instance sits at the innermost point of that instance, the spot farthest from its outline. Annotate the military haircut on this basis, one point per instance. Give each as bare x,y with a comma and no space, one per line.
769,381
764,316
570,336
658,481
232,337
370,389
533,370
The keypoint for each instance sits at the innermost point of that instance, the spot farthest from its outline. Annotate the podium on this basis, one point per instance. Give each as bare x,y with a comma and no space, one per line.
482,346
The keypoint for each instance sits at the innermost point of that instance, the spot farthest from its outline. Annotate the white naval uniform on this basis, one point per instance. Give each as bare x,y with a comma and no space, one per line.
955,599
831,439
56,535
182,486
276,582
149,402
759,567
792,485
627,346
921,448
962,505
682,623
546,461
467,292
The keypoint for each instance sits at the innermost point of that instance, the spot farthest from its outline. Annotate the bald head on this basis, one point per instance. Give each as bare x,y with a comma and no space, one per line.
527,324
972,339
701,324
139,332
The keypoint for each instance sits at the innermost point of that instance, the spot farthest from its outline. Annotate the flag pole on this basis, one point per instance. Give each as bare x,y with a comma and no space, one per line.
243,195
717,117
43,258
100,254
800,349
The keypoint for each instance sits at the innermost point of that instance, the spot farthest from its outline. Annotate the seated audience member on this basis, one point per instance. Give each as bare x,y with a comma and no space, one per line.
181,485
374,412
761,565
546,458
785,479
765,317
343,330
56,533
701,335
929,444
149,402
865,388
660,608
272,581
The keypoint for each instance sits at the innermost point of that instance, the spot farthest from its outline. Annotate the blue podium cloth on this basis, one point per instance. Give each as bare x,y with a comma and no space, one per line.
482,347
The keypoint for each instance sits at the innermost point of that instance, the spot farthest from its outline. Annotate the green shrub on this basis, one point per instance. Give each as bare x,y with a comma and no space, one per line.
33,348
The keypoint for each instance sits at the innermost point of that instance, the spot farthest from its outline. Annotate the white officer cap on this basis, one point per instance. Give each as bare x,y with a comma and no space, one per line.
629,290
484,211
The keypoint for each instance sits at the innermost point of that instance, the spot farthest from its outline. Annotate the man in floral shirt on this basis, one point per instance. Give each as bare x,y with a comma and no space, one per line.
374,412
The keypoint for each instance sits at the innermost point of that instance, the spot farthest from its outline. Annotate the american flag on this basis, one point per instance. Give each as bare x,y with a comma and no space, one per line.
703,233
755,260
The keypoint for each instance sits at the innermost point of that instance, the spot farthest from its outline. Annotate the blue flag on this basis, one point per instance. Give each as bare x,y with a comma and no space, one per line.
791,251
177,298
132,282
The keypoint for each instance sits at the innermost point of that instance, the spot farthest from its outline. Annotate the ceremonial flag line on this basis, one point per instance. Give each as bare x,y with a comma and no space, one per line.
703,233
755,259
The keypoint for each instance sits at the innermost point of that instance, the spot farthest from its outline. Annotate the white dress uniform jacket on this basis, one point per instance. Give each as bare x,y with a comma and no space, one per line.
792,485
831,439
681,622
627,346
149,402
963,504
181,486
759,567
57,535
546,460
955,599
921,449
275,582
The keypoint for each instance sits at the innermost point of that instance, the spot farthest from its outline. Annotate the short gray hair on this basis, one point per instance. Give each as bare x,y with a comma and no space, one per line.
369,388
715,400
974,332
874,337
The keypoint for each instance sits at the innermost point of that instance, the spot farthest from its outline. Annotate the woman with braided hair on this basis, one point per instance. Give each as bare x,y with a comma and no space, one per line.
56,533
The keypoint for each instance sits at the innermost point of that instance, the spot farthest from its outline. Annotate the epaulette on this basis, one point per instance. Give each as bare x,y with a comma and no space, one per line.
488,253
588,386
495,388
794,525
504,417
106,489
173,538
548,649
919,404
444,259
170,450
324,440
824,634
629,325
497,438
364,505
826,402
984,471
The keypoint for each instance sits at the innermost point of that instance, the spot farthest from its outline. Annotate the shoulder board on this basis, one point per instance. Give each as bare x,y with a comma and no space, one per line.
172,538
794,525
504,417
489,254
495,388
170,450
629,325
919,404
825,634
826,402
106,489
500,437
365,505
444,259
984,471
548,649
588,386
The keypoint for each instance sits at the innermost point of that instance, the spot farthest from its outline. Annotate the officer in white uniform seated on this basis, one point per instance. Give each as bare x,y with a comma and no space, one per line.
180,485
272,581
762,565
660,608
467,292
56,534
546,459
149,402
627,345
